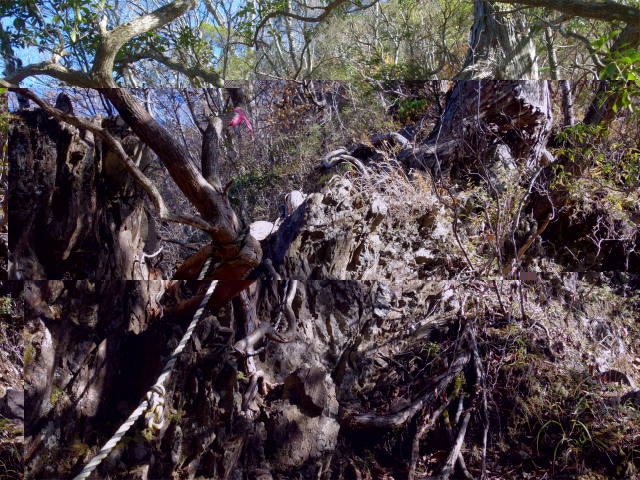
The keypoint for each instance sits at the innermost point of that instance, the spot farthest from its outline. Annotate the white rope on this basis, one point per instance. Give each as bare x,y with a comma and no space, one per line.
205,267
154,402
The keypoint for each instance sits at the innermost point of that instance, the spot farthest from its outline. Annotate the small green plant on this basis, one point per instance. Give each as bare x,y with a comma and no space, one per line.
72,453
521,349
605,173
56,394
6,304
148,435
175,415
4,424
431,349
621,67
29,354
458,385
411,109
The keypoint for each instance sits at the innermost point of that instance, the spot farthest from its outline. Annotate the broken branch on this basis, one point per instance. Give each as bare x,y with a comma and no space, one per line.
369,420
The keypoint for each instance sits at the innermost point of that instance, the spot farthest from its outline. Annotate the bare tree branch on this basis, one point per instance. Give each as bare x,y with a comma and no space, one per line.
51,69
606,11
481,383
424,428
453,456
208,75
327,10
111,41
212,204
370,420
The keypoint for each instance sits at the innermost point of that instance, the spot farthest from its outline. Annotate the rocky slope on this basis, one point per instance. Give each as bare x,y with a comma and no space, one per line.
346,396
398,356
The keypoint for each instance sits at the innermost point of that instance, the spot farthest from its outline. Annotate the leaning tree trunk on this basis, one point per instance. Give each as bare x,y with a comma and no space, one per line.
499,46
235,250
74,212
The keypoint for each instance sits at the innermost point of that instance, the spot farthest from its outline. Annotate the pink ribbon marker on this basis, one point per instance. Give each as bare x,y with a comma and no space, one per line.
240,118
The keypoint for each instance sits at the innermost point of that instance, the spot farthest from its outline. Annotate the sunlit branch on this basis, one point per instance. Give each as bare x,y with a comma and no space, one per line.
109,43
280,13
606,11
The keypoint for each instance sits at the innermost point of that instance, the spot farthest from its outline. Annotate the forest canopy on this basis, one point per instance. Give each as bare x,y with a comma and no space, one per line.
191,43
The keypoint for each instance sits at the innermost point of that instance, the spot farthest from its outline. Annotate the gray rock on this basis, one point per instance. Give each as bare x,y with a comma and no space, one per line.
377,212
502,164
140,473
307,388
424,257
12,404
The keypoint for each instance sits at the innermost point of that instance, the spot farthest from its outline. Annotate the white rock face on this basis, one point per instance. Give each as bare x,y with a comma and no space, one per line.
424,256
292,201
262,229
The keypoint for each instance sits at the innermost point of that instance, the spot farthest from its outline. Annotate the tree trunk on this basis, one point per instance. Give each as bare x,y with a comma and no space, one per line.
601,108
212,204
92,348
567,103
551,54
479,114
72,182
74,212
209,198
498,47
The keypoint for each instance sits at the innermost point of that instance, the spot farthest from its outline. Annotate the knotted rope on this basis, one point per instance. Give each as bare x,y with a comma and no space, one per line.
239,243
153,404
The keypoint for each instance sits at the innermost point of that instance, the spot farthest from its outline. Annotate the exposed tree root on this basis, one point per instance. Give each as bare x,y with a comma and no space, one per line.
245,346
437,386
455,453
248,313
434,390
424,428
224,292
355,470
481,384
334,157
252,389
377,139
331,159
269,264
451,433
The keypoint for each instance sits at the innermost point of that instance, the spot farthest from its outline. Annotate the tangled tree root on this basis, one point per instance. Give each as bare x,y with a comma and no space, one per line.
426,403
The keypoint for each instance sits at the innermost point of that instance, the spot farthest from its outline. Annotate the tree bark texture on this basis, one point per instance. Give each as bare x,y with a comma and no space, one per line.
477,114
96,348
77,213
212,204
209,198
498,48
92,348
74,212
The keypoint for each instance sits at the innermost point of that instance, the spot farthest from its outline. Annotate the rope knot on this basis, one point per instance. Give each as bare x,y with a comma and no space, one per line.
154,415
240,242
